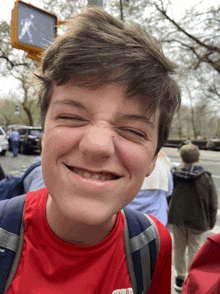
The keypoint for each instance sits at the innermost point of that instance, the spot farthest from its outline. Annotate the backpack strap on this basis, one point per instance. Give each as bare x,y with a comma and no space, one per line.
11,238
35,164
13,186
142,246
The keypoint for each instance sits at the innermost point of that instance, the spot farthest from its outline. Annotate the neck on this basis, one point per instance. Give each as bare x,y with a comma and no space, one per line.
73,231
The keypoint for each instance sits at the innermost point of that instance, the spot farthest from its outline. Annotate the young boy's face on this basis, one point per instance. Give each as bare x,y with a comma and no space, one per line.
97,148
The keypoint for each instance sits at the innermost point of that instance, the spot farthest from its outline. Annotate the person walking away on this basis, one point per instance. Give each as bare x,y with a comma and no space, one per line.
14,141
152,198
192,209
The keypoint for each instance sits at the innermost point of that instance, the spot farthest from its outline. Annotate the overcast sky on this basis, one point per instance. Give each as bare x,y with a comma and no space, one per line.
6,6
178,5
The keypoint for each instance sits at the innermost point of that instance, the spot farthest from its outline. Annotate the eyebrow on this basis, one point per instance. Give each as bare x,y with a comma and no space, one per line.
136,117
71,103
131,117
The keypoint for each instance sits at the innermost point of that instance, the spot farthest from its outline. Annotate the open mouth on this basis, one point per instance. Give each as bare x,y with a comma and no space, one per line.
93,175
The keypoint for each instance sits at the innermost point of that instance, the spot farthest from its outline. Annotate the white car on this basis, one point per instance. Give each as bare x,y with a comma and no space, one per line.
3,141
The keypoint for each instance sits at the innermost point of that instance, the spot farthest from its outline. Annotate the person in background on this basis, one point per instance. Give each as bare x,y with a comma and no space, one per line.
34,180
152,198
192,209
14,137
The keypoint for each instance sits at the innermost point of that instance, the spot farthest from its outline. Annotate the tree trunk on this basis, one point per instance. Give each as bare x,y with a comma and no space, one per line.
180,131
29,115
121,10
25,103
193,123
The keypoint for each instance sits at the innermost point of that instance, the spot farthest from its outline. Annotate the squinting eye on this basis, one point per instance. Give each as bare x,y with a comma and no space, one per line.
134,132
71,121
71,118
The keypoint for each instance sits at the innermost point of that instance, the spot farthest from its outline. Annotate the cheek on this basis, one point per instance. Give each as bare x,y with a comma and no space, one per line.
134,157
60,140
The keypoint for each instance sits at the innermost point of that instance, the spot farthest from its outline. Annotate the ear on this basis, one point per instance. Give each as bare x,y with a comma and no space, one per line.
152,165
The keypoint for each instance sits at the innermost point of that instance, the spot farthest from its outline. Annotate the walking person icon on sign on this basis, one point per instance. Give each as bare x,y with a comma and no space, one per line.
27,24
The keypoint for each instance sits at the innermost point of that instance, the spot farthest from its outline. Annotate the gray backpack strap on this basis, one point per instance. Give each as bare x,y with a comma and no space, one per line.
11,238
142,246
16,259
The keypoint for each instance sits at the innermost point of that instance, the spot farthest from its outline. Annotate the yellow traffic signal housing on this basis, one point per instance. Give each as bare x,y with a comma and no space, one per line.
32,29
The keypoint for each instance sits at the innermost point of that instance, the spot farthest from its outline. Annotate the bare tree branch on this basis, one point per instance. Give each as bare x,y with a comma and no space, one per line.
209,47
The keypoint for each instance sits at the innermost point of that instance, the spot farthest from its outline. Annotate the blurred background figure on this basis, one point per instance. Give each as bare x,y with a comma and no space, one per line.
187,142
192,209
14,141
152,198
34,180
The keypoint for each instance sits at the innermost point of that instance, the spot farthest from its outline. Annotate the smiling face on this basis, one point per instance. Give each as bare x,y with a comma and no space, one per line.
98,146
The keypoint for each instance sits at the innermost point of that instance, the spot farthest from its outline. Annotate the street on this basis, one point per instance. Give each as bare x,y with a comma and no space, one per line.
209,160
16,165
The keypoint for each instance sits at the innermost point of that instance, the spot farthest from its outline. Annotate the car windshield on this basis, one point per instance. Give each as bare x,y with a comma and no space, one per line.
35,133
1,133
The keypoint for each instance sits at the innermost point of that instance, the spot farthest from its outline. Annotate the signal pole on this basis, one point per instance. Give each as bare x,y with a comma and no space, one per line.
95,3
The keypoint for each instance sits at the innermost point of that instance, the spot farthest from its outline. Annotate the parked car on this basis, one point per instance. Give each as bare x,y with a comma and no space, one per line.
29,137
3,141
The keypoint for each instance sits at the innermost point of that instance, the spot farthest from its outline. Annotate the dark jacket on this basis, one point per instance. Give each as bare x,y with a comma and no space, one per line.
194,200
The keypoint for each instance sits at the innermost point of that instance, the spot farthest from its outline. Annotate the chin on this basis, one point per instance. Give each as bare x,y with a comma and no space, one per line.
96,217
87,211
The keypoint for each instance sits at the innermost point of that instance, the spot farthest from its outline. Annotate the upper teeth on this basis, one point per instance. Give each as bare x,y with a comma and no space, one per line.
96,176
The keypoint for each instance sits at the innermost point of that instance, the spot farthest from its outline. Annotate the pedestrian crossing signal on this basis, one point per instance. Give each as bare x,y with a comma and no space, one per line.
32,29
17,109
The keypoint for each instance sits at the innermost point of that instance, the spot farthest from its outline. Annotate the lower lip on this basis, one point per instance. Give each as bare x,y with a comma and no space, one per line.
90,183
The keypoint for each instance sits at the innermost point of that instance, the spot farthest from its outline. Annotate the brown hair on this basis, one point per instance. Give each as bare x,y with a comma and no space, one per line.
189,153
97,44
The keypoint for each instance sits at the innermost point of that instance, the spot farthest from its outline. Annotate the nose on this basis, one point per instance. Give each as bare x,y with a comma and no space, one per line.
97,142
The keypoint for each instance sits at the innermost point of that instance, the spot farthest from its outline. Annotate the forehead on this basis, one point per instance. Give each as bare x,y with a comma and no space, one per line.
110,100
113,94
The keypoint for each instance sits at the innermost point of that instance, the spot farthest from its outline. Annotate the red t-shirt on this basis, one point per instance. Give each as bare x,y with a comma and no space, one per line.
50,265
